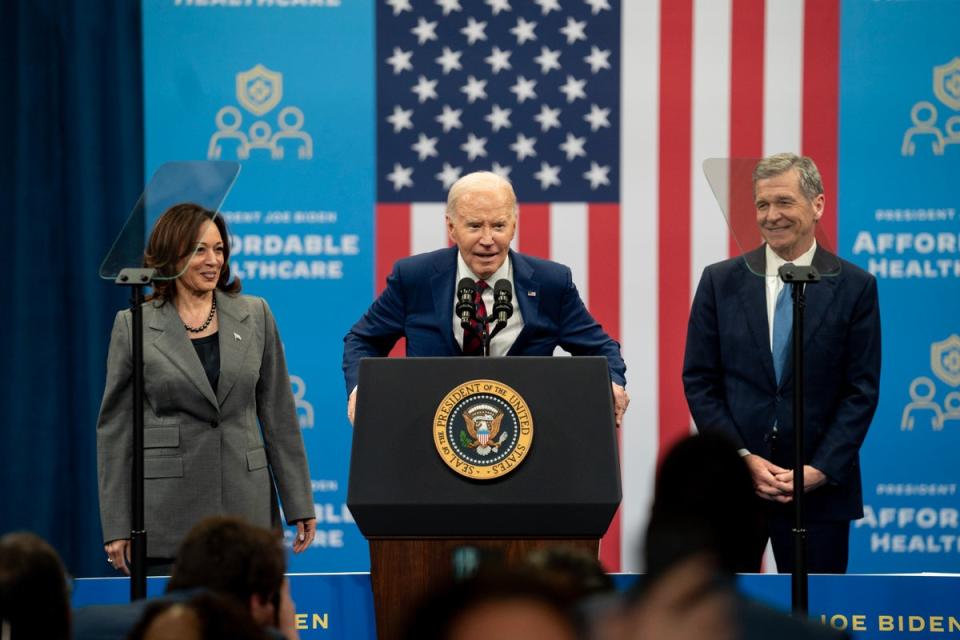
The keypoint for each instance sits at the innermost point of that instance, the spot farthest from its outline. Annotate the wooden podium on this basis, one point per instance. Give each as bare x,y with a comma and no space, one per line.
416,511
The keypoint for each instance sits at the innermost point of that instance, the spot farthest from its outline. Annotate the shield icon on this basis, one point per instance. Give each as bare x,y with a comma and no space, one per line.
259,89
945,360
946,83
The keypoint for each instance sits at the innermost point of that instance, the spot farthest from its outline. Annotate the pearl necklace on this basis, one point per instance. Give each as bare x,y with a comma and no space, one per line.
213,311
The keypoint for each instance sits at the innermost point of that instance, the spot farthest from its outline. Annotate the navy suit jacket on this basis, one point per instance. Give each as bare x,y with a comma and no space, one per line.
731,388
418,304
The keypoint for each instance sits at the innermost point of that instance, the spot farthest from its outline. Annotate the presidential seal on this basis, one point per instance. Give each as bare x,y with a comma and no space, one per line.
483,429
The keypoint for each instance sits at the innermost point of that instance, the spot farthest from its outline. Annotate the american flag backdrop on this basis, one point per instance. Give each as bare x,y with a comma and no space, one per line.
601,112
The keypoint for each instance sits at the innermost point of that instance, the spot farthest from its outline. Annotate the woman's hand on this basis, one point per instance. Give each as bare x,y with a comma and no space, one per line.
306,530
118,554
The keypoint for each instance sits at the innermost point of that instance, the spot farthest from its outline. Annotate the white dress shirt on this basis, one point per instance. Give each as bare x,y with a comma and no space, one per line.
501,343
775,284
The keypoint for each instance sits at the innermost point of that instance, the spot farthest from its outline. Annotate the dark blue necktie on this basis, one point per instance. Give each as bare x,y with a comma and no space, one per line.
782,327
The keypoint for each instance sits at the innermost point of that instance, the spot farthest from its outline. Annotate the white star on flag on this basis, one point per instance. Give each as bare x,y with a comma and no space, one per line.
475,89
474,30
449,6
450,60
523,89
548,59
449,175
573,89
598,5
575,30
496,6
548,176
399,6
474,147
598,59
597,117
425,147
400,60
401,119
498,118
400,176
523,147
498,60
524,31
573,147
500,170
548,118
597,175
425,89
425,31
548,5
449,119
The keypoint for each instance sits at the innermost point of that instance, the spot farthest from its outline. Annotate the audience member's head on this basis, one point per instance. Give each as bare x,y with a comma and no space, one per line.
34,594
501,603
571,569
233,557
578,574
703,486
206,616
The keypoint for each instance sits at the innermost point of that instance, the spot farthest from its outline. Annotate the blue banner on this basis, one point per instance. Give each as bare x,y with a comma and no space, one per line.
899,165
339,607
286,89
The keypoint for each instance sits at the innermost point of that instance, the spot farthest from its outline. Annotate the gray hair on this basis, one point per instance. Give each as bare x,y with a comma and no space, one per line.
810,183
479,181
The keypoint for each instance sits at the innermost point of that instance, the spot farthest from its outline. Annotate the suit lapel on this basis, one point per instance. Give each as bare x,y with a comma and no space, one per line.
171,340
442,285
527,294
235,338
753,297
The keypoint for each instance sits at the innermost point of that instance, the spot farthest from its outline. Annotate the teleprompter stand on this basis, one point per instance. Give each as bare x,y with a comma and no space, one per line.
137,279
798,278
419,515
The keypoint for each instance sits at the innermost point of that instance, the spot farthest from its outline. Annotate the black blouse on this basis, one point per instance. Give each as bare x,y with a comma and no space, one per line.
208,350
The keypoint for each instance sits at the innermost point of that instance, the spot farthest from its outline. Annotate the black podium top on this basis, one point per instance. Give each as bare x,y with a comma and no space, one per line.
568,485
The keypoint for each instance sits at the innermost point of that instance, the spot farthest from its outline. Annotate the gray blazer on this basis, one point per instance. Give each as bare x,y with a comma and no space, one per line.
204,454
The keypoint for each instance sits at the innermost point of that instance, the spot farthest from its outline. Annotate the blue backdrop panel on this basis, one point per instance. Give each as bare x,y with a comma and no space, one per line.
339,607
899,164
289,92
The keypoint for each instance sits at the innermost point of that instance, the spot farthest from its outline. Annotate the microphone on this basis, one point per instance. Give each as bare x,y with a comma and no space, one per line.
466,309
502,300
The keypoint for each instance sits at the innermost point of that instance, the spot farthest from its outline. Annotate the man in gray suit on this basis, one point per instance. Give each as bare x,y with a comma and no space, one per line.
220,423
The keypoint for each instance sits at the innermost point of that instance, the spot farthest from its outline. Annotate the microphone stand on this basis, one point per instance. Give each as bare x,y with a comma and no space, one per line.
137,279
798,278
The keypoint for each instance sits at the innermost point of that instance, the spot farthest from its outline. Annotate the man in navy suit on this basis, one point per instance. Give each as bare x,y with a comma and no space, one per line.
737,371
418,302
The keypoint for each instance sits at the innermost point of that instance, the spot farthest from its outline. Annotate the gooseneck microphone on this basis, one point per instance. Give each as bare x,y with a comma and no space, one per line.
466,308
502,301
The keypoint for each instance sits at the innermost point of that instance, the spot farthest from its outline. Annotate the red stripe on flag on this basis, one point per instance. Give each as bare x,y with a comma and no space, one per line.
746,118
535,230
393,242
603,284
673,229
821,99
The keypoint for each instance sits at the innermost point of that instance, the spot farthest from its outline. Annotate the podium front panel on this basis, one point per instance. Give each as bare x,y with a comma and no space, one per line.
567,486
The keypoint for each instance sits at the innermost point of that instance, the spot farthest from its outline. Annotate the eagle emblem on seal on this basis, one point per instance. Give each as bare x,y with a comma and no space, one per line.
483,426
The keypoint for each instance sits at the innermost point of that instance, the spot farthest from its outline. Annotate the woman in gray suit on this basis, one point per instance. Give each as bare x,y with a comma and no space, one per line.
220,425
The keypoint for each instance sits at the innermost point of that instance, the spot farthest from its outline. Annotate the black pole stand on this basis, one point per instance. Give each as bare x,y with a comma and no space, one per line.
798,278
137,279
